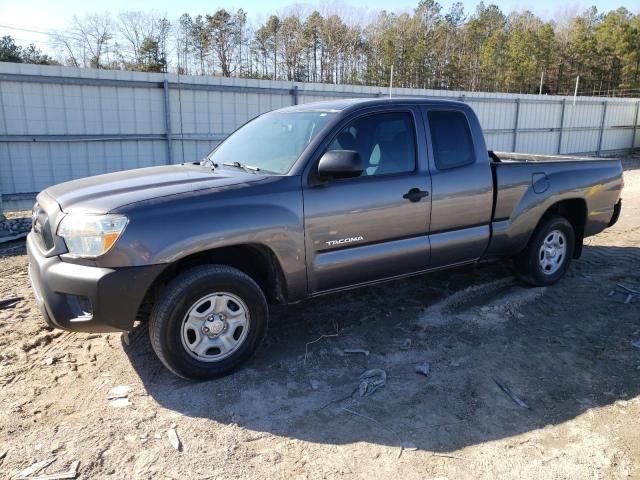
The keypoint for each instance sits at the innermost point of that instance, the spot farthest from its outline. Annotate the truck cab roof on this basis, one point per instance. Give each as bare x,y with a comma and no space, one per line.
349,104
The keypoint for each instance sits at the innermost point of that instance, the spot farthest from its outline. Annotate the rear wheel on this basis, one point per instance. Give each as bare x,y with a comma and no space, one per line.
549,252
208,321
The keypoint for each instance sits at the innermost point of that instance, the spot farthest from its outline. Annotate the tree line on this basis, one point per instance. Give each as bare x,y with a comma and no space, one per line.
485,50
12,52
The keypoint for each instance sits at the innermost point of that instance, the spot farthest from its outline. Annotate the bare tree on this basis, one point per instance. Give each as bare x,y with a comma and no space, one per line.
68,48
90,39
138,32
134,27
293,47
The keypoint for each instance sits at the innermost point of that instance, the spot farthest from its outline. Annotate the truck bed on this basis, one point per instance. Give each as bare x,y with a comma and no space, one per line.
526,185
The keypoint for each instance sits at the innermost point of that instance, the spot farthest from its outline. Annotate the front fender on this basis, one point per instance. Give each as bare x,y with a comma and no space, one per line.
163,232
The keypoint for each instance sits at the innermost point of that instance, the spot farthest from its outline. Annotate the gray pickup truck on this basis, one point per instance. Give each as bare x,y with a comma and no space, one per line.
301,202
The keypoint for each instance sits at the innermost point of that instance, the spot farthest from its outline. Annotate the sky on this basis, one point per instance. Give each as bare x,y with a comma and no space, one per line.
17,18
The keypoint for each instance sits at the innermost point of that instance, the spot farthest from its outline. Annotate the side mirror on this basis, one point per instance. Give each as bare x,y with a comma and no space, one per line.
340,164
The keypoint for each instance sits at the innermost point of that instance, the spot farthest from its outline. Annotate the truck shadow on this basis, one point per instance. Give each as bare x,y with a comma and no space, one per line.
562,351
631,163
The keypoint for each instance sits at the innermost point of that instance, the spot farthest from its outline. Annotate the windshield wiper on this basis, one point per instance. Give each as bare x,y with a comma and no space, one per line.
242,166
214,165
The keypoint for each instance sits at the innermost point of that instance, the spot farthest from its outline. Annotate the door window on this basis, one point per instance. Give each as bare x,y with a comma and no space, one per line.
385,141
451,139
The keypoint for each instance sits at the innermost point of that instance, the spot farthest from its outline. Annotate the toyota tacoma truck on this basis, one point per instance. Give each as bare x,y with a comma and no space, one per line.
297,203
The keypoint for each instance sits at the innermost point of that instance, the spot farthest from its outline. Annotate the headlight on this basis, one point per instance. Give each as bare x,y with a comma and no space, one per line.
89,235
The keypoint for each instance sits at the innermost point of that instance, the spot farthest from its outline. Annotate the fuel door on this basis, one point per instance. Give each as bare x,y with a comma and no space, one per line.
540,182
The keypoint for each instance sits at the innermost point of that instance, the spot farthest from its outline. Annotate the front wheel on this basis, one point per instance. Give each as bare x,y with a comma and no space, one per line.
549,252
209,320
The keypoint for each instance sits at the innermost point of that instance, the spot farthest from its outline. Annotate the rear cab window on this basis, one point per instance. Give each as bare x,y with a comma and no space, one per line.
451,139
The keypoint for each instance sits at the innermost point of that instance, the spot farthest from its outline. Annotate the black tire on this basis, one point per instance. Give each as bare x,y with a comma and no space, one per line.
176,300
527,262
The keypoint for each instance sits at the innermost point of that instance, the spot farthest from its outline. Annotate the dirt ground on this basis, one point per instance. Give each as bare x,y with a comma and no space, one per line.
566,351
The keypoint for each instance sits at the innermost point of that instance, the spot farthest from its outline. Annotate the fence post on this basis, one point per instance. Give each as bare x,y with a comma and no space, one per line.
564,105
294,94
633,138
604,118
167,122
515,127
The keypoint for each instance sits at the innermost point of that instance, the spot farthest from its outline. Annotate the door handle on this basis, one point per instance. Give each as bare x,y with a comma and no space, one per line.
415,195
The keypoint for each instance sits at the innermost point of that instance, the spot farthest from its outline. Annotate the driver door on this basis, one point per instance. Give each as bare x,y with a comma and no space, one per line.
368,228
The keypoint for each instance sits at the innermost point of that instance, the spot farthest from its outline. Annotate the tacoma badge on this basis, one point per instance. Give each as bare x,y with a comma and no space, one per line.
341,241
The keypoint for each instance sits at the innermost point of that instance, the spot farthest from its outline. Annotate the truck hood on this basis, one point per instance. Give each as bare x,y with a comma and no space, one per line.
103,193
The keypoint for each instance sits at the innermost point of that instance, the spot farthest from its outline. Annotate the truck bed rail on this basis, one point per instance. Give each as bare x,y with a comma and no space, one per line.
530,157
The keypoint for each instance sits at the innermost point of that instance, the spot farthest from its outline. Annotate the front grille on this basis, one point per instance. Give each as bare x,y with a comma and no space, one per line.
42,227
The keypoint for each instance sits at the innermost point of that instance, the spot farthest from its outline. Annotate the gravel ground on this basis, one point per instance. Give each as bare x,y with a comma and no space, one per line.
565,351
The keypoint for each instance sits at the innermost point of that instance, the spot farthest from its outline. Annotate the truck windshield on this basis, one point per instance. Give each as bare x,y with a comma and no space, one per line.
271,142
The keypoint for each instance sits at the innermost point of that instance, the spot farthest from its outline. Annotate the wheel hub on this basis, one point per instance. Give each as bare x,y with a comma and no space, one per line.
552,252
214,325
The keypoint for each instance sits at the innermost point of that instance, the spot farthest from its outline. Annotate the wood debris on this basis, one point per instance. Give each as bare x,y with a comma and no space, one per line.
35,468
68,475
174,440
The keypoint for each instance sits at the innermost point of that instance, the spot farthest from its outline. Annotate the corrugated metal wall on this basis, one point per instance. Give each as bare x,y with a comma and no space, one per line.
61,123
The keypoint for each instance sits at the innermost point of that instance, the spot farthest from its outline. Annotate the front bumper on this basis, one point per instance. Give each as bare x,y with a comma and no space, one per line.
85,298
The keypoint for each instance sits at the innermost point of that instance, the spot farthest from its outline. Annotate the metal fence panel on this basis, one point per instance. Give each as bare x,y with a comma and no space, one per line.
545,143
60,123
